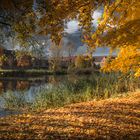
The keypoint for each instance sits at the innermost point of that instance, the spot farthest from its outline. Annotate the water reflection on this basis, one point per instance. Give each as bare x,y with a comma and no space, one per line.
20,91
54,91
20,84
5,112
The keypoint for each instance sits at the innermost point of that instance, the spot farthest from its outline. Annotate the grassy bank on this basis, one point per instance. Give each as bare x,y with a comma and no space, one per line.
28,72
116,118
39,72
73,90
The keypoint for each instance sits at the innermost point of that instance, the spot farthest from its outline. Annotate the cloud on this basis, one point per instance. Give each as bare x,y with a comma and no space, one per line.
73,25
97,14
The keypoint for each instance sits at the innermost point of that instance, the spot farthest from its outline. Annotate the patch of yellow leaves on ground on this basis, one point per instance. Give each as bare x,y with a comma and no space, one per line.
117,118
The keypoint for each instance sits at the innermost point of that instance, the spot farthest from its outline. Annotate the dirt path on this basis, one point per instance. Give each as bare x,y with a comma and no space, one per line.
117,118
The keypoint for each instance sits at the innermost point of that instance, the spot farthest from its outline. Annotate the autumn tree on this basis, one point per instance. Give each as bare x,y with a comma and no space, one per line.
55,56
23,59
82,61
118,27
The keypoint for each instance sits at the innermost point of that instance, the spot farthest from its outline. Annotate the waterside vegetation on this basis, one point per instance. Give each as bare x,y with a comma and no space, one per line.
72,90
116,118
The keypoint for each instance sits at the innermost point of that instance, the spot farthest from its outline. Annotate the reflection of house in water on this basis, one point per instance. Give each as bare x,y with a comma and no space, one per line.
16,84
8,85
1,87
22,85
12,85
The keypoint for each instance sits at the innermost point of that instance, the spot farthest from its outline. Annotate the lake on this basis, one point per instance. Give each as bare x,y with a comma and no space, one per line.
29,88
18,94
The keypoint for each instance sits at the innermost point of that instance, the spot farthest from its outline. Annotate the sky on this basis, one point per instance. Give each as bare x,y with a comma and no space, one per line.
73,26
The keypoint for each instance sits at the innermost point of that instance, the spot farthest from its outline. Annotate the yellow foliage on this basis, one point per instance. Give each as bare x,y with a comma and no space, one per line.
127,60
80,61
137,74
119,27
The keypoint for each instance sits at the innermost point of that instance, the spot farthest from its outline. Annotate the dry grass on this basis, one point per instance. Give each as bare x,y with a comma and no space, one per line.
117,118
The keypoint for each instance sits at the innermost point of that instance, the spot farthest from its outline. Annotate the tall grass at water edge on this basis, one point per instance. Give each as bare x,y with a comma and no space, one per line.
85,88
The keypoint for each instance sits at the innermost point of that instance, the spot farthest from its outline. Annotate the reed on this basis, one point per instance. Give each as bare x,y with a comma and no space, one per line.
86,88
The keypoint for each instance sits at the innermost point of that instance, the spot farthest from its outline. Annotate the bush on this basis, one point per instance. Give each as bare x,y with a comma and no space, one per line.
80,62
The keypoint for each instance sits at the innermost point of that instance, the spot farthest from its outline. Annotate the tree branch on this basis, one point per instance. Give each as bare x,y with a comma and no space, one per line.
3,23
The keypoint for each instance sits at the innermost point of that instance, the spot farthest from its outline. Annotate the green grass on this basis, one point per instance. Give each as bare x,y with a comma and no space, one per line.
28,72
86,88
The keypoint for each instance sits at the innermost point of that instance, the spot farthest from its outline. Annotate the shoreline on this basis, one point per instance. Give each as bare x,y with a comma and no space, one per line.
115,118
42,72
28,72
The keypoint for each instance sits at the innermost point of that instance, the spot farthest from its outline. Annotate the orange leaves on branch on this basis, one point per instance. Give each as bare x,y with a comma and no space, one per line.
118,27
128,60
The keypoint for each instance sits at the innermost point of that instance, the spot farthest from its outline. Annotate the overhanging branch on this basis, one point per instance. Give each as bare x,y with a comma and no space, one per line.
6,24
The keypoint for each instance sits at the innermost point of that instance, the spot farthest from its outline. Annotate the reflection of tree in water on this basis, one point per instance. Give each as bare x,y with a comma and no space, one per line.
11,85
72,83
56,80
73,78
1,87
22,85
6,85
76,78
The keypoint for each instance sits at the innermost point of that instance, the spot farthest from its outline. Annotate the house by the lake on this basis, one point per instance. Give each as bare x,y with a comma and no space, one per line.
9,60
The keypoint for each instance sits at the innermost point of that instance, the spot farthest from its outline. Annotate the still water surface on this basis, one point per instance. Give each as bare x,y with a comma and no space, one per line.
16,92
29,93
